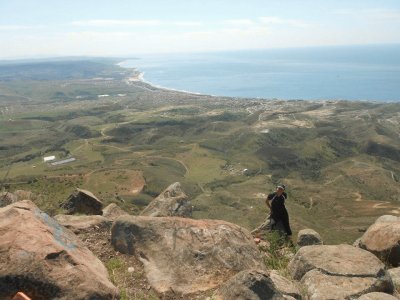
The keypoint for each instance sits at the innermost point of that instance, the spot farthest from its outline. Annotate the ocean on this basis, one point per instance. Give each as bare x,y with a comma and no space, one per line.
322,73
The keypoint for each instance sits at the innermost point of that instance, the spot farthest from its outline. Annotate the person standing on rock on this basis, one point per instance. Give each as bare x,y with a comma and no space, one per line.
278,219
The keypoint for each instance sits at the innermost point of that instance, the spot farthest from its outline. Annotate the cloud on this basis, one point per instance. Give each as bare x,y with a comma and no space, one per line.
278,20
239,22
263,21
97,35
122,42
254,30
187,23
18,27
109,22
218,35
371,13
150,23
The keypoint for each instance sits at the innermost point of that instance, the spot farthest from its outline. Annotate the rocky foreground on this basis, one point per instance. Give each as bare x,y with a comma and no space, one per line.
181,258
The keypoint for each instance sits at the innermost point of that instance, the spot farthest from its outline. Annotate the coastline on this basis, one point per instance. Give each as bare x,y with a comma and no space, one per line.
139,77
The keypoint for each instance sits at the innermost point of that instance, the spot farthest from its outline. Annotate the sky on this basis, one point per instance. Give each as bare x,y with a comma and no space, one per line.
44,28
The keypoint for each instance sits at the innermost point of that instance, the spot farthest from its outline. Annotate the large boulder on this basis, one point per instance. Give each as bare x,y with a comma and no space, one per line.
44,260
339,272
186,255
83,202
113,211
395,275
171,202
383,239
308,237
284,285
78,223
252,285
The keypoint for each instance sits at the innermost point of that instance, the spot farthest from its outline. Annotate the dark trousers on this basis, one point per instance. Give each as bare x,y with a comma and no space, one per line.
270,225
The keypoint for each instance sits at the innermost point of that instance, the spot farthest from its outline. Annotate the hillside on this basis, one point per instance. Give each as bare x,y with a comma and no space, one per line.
339,159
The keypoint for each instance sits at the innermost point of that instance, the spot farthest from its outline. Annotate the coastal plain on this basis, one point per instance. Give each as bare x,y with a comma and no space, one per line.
339,159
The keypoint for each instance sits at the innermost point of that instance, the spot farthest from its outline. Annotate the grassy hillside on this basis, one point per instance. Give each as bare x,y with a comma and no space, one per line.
340,160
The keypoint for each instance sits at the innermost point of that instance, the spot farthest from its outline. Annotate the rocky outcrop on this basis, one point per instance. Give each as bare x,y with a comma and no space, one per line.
308,237
186,255
7,198
339,272
83,202
78,223
113,211
377,296
252,285
44,260
383,239
284,285
171,202
395,275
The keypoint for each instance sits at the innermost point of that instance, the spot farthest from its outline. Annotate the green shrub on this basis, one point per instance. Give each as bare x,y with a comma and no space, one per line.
279,252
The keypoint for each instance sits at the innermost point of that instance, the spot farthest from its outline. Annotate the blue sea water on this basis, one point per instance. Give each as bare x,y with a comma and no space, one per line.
347,72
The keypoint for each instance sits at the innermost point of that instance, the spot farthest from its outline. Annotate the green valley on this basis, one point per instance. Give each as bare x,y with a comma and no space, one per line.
130,140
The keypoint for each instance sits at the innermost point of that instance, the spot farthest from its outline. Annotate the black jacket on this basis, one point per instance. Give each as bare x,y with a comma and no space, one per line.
278,210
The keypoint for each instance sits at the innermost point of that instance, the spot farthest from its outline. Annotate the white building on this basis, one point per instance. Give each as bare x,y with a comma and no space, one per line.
64,161
49,158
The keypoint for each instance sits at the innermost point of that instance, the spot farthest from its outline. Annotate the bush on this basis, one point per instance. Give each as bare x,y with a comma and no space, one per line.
279,252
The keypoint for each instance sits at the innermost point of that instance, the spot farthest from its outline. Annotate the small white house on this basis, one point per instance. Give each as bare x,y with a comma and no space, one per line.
49,158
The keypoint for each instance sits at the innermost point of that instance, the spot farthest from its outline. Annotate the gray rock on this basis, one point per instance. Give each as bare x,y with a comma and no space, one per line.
308,237
383,239
45,260
83,202
321,286
78,223
186,255
113,211
249,285
339,272
171,202
395,275
284,285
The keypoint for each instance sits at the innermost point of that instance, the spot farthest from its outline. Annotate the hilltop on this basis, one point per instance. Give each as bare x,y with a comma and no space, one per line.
105,253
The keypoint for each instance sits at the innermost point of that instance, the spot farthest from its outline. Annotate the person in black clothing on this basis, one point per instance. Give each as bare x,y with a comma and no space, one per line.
278,218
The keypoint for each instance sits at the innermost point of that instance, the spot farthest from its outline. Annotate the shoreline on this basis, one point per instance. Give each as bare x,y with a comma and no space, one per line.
140,78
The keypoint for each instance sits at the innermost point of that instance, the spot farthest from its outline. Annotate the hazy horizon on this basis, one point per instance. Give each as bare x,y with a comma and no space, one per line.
40,29
138,55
